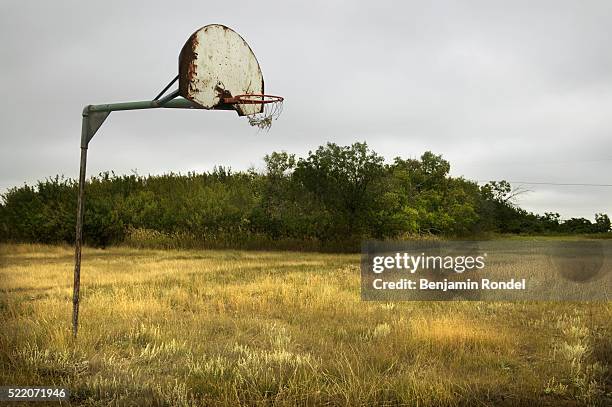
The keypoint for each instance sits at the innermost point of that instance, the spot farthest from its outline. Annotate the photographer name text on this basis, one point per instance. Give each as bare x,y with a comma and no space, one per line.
446,285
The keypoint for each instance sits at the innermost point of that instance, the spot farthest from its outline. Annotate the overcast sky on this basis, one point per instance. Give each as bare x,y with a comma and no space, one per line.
518,90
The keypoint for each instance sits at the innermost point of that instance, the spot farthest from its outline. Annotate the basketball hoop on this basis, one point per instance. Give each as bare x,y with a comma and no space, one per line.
259,109
214,64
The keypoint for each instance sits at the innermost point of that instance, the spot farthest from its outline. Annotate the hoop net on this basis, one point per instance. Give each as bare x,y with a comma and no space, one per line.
260,110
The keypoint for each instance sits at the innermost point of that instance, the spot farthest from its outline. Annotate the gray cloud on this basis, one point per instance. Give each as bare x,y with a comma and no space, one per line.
516,90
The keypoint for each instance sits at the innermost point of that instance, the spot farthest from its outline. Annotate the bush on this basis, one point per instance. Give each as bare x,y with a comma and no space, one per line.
329,200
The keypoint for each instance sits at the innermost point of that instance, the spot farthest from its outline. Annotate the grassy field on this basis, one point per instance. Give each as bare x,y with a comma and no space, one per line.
279,328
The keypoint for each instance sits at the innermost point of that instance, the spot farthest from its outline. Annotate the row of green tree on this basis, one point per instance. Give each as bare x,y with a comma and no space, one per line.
336,196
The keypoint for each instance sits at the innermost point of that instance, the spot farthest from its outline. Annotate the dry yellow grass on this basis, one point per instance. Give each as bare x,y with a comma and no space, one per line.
266,328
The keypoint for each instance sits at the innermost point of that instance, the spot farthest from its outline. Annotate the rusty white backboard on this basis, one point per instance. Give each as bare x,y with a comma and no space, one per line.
216,62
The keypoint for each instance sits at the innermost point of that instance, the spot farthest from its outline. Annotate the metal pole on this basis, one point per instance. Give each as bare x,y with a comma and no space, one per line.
93,117
79,225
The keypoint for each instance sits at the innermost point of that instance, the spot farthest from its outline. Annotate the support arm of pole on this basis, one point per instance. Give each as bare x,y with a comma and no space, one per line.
97,114
174,103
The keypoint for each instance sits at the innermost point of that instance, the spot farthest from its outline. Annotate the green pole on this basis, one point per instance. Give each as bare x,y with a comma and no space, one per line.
93,117
79,225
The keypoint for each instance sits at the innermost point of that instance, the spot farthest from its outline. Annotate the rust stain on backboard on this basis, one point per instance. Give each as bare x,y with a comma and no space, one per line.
187,66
